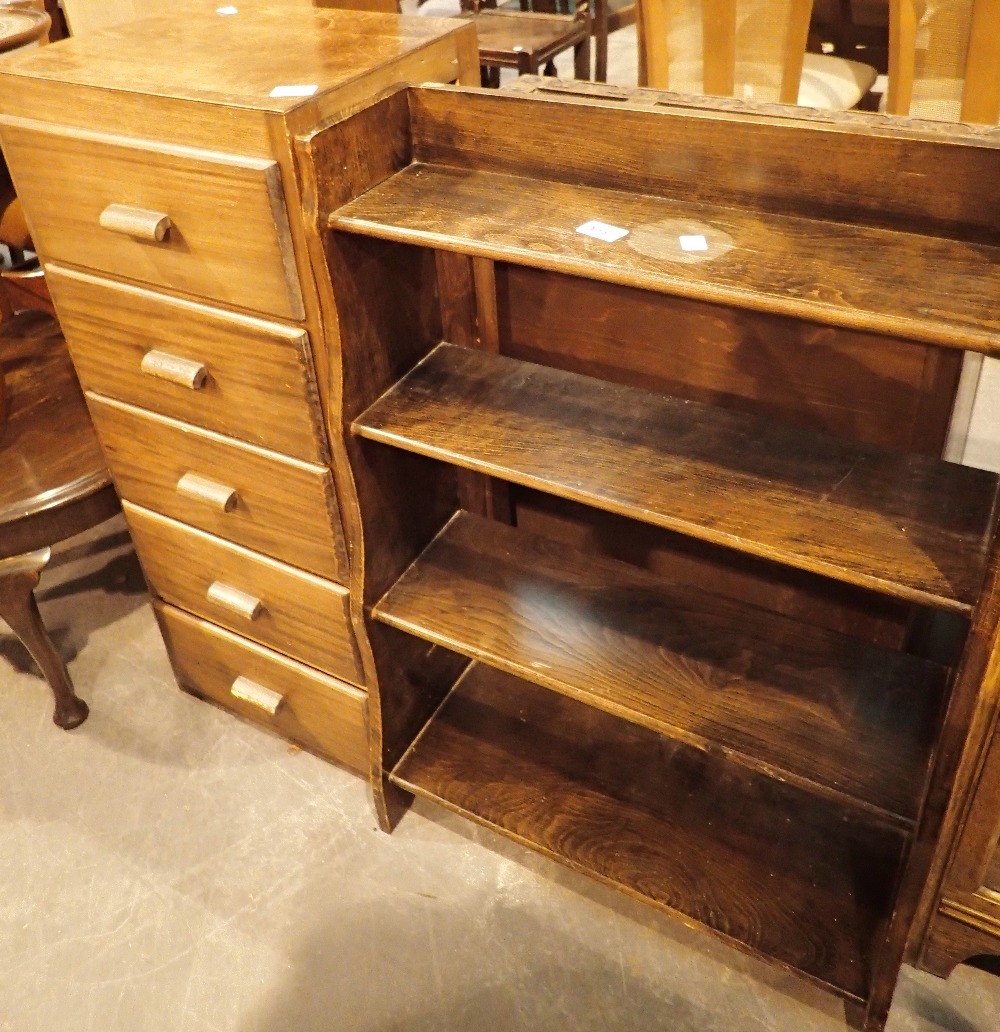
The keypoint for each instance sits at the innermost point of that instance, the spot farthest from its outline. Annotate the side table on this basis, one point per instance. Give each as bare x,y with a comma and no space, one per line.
529,42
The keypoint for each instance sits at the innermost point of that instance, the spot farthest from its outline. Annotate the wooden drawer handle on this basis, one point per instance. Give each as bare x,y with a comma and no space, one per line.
257,695
236,601
183,371
201,489
136,222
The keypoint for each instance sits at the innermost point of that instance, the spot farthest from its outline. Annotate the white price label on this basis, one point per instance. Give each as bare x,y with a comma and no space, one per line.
693,243
227,10
602,231
293,91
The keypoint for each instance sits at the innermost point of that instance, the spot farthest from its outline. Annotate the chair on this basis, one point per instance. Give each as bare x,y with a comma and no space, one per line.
608,16
858,29
943,60
53,480
53,483
943,65
752,49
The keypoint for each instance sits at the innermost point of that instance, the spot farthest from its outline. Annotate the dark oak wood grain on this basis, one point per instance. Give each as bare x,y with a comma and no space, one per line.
803,596
845,265
951,941
819,709
53,483
846,166
388,318
863,386
905,525
670,825
49,457
929,288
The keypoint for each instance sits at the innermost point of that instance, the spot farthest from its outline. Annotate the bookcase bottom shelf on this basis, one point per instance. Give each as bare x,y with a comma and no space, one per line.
668,824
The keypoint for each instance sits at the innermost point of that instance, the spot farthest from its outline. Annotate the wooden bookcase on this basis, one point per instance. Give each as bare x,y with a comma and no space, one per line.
712,646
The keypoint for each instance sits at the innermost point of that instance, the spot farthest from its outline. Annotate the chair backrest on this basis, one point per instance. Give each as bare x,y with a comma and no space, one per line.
751,49
943,60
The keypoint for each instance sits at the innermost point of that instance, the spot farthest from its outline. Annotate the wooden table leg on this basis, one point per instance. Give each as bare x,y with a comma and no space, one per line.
581,60
18,580
527,63
600,33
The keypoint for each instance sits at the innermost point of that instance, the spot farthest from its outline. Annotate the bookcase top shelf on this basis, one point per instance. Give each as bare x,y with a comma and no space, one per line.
928,288
811,707
905,525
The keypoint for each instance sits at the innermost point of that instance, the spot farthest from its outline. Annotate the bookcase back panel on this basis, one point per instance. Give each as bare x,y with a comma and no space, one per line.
856,385
852,169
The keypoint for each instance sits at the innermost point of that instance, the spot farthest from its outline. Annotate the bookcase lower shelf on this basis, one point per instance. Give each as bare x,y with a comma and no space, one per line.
669,824
760,689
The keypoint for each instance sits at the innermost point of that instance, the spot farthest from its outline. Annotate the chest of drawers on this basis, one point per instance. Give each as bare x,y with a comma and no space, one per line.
155,162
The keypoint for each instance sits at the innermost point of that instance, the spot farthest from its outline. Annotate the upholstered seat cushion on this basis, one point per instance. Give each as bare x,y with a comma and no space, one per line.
834,83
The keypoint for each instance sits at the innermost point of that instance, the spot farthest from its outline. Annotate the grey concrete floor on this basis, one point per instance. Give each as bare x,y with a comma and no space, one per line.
167,867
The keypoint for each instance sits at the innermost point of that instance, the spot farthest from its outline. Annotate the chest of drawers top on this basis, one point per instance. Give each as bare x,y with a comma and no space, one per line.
196,75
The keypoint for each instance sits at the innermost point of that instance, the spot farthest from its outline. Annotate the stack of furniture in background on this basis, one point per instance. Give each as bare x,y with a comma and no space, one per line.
530,41
752,49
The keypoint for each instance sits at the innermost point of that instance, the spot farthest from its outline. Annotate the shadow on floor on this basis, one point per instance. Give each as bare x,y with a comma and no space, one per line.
418,975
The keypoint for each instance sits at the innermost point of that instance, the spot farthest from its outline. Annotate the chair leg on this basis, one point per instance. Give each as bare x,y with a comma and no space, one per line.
18,580
581,60
600,32
489,76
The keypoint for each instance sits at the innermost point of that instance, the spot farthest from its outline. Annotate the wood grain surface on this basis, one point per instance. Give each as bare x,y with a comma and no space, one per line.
905,525
951,941
322,714
805,705
284,508
49,453
260,387
845,166
841,274
863,386
681,829
229,238
236,62
801,595
300,615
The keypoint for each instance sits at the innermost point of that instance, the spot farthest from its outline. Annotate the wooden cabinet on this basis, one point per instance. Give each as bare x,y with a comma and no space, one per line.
960,916
156,167
537,662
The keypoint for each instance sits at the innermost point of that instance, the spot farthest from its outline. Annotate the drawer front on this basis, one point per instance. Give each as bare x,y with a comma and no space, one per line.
319,712
227,237
293,612
282,507
237,375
